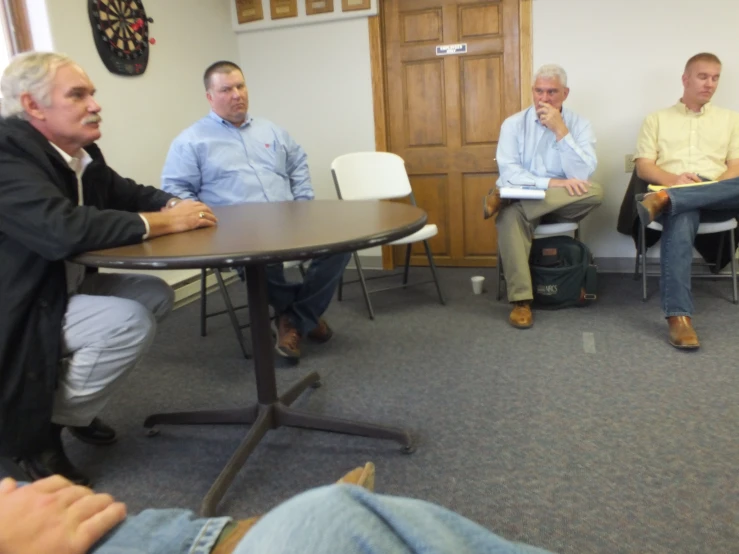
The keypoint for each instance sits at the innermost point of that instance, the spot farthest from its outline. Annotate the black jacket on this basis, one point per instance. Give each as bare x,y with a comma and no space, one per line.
628,224
40,226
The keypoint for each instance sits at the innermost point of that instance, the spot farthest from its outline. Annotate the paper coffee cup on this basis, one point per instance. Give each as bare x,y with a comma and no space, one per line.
477,282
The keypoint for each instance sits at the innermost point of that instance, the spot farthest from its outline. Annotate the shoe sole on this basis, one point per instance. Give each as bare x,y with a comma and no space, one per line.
685,346
518,326
288,356
320,340
88,440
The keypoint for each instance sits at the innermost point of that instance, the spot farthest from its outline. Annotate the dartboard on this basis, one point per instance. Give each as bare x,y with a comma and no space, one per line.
121,32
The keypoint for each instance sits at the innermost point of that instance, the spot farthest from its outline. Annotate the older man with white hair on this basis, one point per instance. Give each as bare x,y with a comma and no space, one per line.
551,148
68,336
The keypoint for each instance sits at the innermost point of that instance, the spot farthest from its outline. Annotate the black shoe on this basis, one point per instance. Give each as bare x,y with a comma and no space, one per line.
96,433
53,462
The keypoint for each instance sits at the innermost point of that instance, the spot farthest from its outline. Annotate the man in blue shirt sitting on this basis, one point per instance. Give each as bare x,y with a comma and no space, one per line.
229,157
551,148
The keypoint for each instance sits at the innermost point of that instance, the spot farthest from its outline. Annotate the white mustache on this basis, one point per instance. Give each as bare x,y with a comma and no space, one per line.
92,119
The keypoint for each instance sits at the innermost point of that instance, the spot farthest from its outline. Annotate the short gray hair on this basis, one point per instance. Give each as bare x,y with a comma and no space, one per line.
552,71
32,73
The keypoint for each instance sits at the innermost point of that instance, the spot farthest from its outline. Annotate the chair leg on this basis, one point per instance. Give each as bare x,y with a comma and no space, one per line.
203,301
637,260
720,250
407,263
643,254
432,265
732,245
364,286
231,313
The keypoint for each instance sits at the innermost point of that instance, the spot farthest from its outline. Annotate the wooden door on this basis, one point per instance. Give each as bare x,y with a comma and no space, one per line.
444,113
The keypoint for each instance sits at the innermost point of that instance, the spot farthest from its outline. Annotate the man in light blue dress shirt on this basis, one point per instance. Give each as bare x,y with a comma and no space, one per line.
547,147
228,157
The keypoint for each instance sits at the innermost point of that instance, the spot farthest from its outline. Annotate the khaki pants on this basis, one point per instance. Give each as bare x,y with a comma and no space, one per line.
516,223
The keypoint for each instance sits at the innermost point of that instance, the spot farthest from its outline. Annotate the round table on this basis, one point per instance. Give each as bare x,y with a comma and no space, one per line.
253,236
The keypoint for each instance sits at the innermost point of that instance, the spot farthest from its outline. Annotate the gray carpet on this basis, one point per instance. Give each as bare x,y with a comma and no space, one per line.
632,448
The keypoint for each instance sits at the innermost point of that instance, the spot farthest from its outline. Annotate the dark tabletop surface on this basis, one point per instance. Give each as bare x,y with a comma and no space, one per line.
269,232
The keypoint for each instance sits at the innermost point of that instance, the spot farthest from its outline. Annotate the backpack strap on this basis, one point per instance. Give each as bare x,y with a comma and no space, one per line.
591,276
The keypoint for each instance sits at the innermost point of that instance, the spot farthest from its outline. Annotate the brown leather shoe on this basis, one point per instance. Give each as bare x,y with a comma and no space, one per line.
521,316
682,334
321,333
491,203
651,205
288,339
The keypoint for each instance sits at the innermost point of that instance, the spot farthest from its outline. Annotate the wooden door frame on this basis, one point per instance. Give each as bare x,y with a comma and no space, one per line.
379,86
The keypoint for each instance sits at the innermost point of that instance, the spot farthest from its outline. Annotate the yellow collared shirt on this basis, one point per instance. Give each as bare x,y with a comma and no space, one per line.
680,140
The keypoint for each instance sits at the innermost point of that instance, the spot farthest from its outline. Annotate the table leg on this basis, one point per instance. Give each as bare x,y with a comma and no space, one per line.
271,411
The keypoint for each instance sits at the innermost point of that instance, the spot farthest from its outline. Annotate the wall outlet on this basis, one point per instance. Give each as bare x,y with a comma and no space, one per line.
629,163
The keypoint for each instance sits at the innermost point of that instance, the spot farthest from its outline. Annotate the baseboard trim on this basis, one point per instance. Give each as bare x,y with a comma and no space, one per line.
188,291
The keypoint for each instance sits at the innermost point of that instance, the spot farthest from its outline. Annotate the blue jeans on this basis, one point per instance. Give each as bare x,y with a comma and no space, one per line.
162,532
326,520
688,207
305,302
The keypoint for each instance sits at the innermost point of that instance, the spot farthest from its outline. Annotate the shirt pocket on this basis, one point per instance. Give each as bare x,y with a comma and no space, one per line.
279,160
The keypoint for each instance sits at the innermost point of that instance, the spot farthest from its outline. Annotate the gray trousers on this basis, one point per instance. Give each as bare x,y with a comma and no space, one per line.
516,223
108,326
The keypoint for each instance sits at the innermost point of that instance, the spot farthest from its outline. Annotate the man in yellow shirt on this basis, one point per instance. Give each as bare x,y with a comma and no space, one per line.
689,142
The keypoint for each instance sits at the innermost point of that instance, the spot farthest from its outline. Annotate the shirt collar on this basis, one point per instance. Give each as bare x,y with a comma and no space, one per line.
77,163
685,110
213,115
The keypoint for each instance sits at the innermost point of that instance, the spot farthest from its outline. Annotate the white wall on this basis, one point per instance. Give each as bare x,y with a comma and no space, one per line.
314,80
624,59
141,115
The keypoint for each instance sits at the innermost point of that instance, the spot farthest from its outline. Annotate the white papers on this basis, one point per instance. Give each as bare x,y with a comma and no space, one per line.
522,192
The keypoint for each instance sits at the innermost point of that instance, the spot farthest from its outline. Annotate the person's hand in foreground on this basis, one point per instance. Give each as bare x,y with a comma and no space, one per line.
53,515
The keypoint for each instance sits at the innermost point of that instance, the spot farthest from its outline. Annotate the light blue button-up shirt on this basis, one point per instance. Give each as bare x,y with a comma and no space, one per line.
218,163
529,154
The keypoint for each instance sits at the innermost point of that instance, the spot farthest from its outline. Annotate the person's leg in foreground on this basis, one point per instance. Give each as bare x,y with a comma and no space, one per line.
352,520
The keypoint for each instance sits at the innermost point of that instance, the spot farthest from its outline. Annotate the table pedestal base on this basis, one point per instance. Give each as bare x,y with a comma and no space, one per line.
266,416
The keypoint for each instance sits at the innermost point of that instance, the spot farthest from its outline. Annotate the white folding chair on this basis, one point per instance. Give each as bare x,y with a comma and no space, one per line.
230,308
724,227
381,176
543,230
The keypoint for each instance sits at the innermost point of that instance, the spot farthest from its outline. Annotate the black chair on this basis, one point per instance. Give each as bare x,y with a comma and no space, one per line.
230,308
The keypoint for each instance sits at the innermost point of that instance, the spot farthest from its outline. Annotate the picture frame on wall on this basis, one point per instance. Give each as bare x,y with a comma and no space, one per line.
313,7
280,9
249,10
352,5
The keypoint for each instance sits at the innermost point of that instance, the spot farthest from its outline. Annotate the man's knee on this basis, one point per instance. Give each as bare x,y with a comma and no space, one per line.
163,298
682,227
597,193
510,216
135,323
